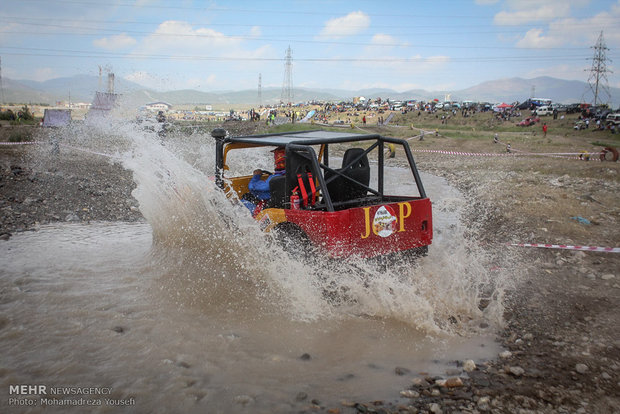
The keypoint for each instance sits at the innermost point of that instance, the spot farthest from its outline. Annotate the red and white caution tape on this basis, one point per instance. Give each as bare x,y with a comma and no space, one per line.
19,143
475,154
569,247
89,151
565,155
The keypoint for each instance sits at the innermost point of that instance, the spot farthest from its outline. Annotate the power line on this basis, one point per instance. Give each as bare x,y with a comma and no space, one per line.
420,28
282,10
138,56
218,36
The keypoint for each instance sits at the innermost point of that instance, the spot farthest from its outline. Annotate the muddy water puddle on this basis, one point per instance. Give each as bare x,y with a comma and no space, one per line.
88,305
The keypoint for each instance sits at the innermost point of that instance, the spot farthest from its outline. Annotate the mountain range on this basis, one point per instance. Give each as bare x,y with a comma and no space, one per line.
81,88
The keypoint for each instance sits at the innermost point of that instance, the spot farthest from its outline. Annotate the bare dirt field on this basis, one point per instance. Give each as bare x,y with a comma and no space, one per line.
562,330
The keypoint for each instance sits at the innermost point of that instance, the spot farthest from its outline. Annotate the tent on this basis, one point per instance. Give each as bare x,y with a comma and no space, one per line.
102,106
56,117
502,107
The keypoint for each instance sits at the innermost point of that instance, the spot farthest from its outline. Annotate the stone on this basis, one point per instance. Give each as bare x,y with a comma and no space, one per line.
453,382
401,371
420,382
608,276
469,365
305,357
435,408
581,368
410,394
505,354
301,396
516,371
484,403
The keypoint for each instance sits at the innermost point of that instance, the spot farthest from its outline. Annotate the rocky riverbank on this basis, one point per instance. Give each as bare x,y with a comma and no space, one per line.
39,188
561,337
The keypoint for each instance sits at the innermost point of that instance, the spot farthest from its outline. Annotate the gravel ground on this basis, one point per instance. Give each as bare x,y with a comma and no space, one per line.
561,335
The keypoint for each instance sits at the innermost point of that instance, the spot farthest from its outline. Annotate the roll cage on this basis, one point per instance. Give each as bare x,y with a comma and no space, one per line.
339,188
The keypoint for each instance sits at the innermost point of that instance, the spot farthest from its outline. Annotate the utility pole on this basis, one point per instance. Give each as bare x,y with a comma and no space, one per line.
1,85
110,82
598,72
260,91
287,86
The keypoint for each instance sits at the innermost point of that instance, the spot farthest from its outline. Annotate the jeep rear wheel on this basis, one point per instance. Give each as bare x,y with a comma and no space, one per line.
293,240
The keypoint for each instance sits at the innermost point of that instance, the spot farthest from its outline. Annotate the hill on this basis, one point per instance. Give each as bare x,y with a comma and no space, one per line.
81,88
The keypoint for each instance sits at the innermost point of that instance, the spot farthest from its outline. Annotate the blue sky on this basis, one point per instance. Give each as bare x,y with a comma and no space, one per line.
225,45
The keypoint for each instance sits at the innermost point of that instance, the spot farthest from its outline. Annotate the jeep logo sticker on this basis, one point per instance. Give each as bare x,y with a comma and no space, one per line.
383,224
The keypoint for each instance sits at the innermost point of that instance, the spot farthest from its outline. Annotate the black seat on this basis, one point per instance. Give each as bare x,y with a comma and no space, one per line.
277,189
342,189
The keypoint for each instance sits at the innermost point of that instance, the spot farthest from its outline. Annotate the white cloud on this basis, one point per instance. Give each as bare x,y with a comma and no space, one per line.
486,2
177,36
539,14
177,39
534,38
577,32
349,25
121,41
529,11
383,40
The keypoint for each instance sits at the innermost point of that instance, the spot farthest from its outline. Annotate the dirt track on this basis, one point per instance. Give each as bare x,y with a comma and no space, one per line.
562,321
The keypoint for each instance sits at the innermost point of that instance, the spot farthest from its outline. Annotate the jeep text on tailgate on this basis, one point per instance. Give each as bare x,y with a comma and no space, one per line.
350,209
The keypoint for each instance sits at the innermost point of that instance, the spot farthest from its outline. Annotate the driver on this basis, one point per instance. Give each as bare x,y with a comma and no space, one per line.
259,193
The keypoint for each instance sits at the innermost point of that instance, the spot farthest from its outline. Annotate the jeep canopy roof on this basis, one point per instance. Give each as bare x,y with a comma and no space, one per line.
303,138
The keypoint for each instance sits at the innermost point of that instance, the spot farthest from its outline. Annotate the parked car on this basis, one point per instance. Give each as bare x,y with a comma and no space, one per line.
529,121
543,111
613,119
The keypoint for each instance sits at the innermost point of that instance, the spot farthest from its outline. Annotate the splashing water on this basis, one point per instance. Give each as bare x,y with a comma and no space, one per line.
229,260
